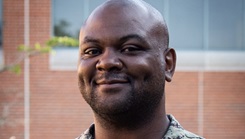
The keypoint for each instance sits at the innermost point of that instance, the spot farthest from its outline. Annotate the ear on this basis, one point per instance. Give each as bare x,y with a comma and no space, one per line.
170,60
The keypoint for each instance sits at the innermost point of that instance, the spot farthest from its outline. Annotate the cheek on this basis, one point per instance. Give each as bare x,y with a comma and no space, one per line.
85,71
151,69
143,67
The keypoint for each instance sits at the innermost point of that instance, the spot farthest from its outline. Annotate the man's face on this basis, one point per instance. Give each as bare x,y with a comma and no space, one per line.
121,69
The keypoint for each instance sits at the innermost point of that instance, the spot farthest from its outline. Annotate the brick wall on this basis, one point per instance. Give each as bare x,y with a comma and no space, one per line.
223,102
11,86
224,108
181,99
57,110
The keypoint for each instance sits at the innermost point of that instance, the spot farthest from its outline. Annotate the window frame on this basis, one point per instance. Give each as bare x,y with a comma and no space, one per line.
187,60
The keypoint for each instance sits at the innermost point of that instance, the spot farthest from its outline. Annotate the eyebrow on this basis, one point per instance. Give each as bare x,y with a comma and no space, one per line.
132,36
89,39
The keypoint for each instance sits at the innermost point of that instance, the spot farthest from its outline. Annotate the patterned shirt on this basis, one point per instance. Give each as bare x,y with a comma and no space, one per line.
175,131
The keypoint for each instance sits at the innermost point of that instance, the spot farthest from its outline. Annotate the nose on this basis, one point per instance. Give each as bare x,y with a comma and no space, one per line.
109,61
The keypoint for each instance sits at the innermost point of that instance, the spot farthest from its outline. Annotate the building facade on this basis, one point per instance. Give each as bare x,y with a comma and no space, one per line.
207,94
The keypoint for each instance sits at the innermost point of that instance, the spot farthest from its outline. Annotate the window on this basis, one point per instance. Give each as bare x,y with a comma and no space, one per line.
193,24
207,24
186,24
68,16
226,25
67,19
203,32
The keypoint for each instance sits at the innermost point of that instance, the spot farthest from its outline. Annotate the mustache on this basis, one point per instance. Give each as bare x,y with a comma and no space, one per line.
111,76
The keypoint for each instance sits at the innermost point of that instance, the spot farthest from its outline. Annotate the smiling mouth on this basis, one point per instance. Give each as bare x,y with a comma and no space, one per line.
111,86
111,81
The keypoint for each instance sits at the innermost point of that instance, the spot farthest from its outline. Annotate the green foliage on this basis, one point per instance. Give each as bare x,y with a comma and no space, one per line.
34,50
63,41
42,49
23,48
39,49
53,42
15,69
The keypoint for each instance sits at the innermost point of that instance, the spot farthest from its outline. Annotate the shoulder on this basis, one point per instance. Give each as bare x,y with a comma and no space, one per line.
176,131
181,134
88,134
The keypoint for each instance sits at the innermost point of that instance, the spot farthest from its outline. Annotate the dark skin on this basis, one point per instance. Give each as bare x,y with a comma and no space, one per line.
124,62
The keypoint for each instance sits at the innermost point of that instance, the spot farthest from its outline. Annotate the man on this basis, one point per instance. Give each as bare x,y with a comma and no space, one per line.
124,61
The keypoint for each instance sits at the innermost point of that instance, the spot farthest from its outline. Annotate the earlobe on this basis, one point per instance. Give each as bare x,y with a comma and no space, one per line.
170,59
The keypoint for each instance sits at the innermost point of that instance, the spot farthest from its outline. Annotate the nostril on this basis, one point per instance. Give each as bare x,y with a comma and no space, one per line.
100,69
110,65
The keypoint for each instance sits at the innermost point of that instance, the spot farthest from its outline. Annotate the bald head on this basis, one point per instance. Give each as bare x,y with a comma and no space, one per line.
135,12
124,63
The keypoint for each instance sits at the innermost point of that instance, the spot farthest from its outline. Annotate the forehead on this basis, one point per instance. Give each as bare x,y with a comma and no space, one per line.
117,21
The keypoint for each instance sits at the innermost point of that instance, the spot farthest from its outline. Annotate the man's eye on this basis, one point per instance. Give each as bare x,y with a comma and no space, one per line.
130,49
92,51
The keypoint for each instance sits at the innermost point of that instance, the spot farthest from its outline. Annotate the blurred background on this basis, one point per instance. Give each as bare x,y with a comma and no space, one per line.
207,94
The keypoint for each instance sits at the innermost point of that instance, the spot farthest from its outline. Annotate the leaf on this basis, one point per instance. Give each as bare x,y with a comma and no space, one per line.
16,69
63,41
46,49
22,47
38,49
37,46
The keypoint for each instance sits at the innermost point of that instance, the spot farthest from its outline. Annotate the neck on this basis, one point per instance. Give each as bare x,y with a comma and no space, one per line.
155,127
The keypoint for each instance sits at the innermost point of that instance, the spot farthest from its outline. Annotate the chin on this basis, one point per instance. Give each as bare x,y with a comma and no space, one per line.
112,106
